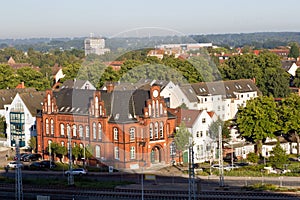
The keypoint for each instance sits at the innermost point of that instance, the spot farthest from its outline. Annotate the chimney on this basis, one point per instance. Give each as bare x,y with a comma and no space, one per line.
254,80
109,87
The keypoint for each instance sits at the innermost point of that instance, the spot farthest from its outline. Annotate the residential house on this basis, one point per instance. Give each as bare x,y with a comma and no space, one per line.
198,122
225,97
20,117
57,73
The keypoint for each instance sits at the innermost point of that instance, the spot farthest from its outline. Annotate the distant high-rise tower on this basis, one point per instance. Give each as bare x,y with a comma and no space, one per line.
93,45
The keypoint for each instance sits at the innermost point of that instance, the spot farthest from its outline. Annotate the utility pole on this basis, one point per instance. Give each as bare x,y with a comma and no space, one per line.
221,167
19,187
192,193
50,154
70,175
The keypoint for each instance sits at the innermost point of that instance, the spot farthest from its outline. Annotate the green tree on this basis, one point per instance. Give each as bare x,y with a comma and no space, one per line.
2,126
71,71
294,51
296,81
76,152
258,120
279,157
214,129
32,144
252,157
33,78
289,116
271,79
7,77
181,139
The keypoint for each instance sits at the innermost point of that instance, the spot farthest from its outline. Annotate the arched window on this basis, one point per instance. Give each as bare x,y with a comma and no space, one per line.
52,126
151,131
80,131
96,106
99,131
132,133
87,131
156,130
117,156
116,134
74,130
49,103
49,145
161,109
47,127
172,150
68,130
81,145
62,129
157,108
101,112
97,150
150,109
132,152
62,143
161,129
94,131
153,108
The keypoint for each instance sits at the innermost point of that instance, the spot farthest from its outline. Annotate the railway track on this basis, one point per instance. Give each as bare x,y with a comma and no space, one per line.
69,193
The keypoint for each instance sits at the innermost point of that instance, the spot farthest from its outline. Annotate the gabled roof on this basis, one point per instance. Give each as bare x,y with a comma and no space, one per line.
33,101
127,105
75,84
188,117
189,92
229,89
55,69
7,95
287,64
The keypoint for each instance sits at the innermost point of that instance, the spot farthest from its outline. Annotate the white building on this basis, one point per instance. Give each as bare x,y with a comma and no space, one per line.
94,45
225,97
21,118
197,122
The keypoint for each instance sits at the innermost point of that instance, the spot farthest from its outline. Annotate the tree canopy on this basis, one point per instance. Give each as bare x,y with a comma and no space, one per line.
258,120
270,78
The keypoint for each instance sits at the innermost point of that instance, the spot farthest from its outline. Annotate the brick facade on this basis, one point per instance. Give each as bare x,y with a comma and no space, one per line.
142,140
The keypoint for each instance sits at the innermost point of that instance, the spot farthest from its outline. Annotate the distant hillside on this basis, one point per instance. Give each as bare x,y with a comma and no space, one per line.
258,40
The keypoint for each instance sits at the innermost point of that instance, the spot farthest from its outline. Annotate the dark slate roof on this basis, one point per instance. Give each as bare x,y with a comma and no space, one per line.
75,84
286,64
224,88
73,101
7,95
189,92
33,101
126,105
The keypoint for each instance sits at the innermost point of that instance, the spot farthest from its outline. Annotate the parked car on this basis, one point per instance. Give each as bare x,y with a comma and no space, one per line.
32,157
242,164
215,166
23,156
14,164
79,171
47,164
230,167
35,165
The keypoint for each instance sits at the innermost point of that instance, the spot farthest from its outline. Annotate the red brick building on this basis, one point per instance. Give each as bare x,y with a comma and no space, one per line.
124,128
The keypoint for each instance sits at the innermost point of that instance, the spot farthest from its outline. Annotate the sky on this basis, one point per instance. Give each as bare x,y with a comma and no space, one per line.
112,18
